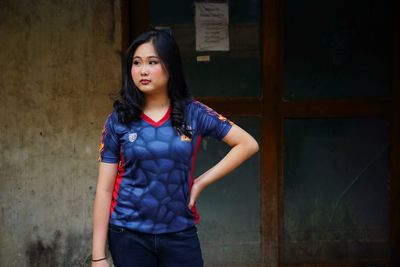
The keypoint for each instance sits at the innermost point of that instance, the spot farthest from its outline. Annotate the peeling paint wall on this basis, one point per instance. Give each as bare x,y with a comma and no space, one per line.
59,62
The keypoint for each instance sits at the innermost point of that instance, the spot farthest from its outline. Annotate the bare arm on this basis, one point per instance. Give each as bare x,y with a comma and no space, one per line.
243,146
101,210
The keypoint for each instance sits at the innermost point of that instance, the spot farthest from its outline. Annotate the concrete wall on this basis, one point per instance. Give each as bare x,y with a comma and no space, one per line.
59,61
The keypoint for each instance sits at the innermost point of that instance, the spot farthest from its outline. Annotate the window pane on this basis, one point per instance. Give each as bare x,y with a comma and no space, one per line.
337,48
336,189
235,73
229,228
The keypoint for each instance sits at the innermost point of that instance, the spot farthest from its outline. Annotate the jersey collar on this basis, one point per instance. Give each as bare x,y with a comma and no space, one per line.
149,120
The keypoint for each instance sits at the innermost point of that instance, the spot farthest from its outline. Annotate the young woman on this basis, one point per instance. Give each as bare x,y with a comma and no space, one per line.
146,192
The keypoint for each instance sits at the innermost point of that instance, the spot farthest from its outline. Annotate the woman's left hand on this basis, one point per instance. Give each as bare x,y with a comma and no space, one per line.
197,187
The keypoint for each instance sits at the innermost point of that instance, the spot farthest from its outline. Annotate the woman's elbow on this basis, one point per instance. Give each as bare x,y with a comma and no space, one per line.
253,146
256,147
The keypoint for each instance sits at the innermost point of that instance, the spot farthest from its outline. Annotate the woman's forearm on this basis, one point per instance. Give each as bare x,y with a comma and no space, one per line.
101,208
243,146
101,215
236,156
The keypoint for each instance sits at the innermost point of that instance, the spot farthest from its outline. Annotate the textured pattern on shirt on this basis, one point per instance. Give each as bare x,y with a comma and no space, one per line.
155,174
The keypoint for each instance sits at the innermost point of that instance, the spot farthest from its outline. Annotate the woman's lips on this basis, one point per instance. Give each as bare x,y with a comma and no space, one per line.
145,81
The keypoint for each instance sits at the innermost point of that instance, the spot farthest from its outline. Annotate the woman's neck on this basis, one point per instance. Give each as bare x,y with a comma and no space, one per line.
156,103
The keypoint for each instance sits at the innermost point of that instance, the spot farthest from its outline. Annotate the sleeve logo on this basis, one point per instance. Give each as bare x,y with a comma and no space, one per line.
184,138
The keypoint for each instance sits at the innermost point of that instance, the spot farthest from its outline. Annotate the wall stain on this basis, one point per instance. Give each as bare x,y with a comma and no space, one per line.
39,254
64,250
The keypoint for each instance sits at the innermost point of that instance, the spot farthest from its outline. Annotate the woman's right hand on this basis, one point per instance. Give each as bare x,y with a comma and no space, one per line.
103,263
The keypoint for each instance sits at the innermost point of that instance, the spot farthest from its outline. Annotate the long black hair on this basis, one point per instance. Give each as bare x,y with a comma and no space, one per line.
130,106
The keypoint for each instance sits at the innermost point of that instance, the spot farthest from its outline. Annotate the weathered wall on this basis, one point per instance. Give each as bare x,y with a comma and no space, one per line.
59,61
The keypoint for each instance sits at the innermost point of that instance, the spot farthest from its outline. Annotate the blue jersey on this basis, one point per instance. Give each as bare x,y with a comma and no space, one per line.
156,167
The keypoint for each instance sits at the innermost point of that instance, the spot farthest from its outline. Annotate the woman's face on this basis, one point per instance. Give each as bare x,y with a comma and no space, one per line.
148,71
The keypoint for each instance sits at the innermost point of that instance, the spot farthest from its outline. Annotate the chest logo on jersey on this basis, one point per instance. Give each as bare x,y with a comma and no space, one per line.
132,137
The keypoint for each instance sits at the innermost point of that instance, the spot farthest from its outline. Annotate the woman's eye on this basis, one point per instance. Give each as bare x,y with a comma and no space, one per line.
153,62
135,62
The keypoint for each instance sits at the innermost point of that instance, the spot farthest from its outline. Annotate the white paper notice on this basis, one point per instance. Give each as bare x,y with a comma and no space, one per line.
212,21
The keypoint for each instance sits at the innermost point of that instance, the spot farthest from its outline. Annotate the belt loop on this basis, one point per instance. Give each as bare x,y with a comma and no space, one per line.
155,242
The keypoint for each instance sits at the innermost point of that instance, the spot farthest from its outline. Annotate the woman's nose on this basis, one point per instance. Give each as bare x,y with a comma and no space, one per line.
144,70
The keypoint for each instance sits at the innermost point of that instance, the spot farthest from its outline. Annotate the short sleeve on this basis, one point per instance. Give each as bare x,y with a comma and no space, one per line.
212,124
109,145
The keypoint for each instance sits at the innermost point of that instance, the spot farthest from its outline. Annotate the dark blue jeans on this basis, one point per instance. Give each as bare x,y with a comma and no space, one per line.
134,249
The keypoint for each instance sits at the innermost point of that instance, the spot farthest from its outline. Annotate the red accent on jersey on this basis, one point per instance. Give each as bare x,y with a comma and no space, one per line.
194,210
101,146
117,183
161,121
